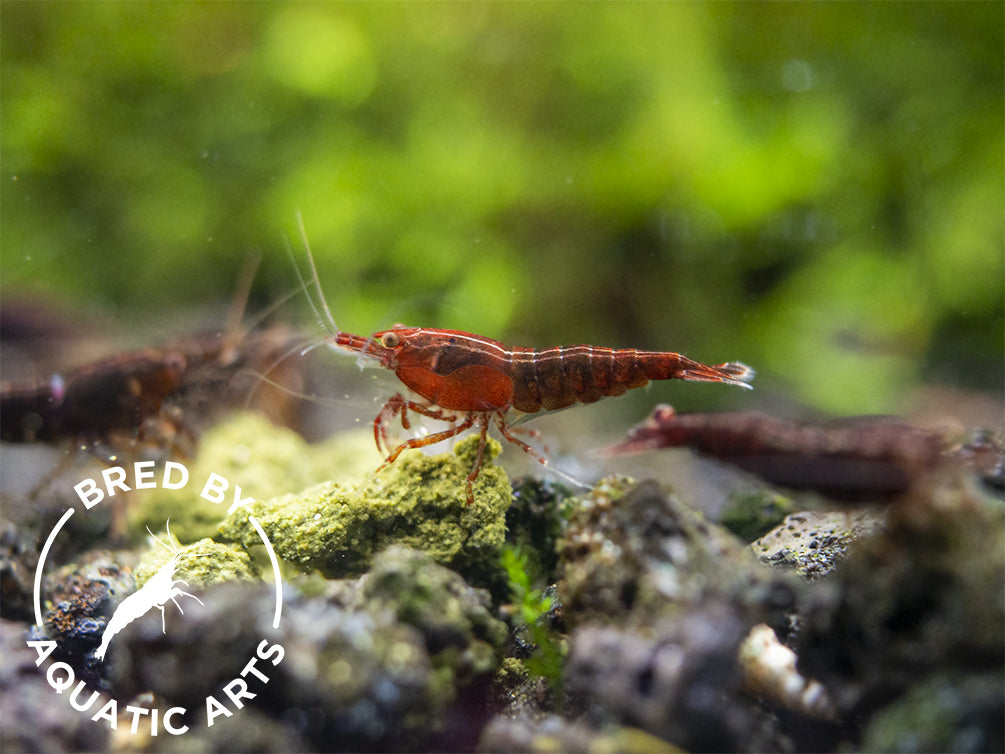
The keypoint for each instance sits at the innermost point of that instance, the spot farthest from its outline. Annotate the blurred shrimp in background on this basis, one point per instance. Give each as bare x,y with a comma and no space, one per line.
818,193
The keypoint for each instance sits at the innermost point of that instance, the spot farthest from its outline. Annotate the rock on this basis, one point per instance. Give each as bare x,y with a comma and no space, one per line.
658,600
18,560
632,554
535,521
921,599
944,713
812,544
80,598
678,680
418,502
32,716
398,660
451,616
555,734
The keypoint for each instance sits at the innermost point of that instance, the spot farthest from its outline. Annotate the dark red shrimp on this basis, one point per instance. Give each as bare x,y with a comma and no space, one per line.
850,459
153,393
113,393
157,394
469,380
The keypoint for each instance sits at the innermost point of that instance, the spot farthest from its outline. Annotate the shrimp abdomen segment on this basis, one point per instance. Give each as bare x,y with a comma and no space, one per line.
460,371
556,378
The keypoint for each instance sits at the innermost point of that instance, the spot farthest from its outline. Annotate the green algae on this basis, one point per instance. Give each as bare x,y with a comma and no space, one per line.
200,564
419,501
753,513
455,619
263,459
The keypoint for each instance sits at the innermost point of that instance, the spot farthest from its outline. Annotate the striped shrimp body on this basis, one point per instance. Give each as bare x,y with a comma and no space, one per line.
471,381
482,380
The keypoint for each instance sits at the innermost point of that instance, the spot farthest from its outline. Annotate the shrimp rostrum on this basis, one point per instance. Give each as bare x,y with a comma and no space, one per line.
470,381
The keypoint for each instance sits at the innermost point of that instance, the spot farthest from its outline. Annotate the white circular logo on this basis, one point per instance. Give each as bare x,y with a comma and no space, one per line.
159,592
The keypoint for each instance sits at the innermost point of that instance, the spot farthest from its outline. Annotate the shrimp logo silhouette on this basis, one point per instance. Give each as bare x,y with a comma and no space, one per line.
161,587
72,667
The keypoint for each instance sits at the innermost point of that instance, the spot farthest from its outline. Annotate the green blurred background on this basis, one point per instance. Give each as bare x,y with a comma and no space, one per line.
814,189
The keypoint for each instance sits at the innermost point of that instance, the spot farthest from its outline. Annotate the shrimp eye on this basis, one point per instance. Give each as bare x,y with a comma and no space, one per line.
390,340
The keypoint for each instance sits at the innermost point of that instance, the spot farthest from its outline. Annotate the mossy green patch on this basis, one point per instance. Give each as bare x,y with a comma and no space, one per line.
264,460
753,513
200,564
456,620
534,607
419,501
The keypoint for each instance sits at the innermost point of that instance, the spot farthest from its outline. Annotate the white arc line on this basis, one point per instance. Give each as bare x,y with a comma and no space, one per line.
41,565
275,569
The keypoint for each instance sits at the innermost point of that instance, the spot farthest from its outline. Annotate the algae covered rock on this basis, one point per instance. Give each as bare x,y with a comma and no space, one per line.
394,661
658,600
633,552
264,459
200,564
452,616
813,543
916,609
418,502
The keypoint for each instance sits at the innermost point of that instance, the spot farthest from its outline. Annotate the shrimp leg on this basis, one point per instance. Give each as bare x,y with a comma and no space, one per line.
398,404
421,442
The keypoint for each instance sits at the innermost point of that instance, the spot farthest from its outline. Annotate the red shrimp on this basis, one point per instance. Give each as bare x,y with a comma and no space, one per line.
154,394
850,459
127,397
469,380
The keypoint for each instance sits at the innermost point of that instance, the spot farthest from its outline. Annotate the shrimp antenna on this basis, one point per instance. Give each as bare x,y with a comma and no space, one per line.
234,333
323,314
301,348
311,345
312,397
167,526
565,475
240,301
